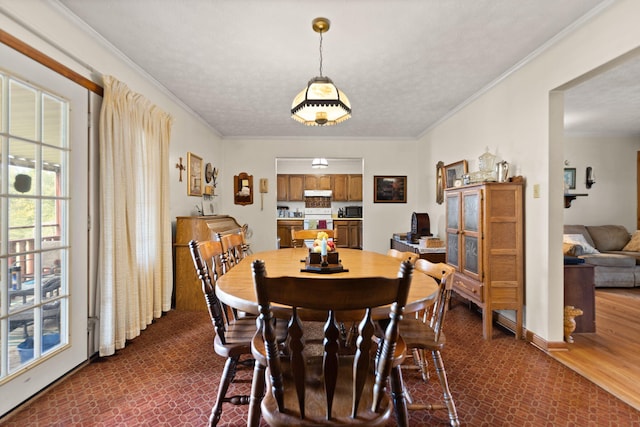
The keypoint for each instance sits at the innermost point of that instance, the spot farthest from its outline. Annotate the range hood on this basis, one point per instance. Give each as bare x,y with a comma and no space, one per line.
317,193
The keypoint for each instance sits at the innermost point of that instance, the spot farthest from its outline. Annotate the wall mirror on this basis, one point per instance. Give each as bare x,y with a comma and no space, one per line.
243,189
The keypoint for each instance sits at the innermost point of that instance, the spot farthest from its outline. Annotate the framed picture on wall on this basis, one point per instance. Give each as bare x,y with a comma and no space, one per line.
570,178
194,172
390,189
454,171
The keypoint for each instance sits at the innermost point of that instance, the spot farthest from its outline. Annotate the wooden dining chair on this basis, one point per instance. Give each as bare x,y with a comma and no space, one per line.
402,256
234,248
331,386
299,236
425,333
232,335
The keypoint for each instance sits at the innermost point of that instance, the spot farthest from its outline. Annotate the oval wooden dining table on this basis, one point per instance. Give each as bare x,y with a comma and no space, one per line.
236,289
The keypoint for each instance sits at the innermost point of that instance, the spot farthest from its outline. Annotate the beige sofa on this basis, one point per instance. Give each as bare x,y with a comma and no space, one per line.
610,248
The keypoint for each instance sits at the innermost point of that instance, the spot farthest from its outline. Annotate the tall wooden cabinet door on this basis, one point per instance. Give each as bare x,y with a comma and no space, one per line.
355,188
296,188
283,188
341,229
471,236
504,241
355,234
340,188
453,228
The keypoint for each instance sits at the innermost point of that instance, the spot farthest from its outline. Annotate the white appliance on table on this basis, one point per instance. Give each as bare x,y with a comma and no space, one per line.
317,211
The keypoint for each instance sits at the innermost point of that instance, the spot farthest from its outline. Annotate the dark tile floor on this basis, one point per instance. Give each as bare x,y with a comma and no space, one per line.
169,376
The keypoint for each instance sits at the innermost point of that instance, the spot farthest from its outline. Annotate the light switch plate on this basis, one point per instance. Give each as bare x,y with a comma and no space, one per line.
536,191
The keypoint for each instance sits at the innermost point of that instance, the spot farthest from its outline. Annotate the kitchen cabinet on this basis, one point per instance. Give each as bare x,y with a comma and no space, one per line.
355,188
345,187
349,233
284,230
282,188
318,182
485,243
340,187
296,188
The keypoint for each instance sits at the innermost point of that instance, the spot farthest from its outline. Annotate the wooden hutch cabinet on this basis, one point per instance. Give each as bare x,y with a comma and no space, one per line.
485,243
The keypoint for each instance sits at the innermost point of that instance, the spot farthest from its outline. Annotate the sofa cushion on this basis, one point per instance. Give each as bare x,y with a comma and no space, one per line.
609,237
630,254
634,244
579,229
614,277
609,260
579,240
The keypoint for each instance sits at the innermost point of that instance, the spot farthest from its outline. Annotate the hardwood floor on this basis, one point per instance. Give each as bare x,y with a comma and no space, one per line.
610,357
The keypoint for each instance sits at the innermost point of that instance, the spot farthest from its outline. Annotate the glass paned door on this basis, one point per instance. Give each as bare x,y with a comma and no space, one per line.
453,228
43,294
35,205
471,244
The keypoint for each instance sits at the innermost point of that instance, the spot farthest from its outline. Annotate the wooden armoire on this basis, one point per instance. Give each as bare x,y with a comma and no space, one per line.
485,243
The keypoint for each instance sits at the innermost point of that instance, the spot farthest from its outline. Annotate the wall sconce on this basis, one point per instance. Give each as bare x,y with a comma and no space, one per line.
591,177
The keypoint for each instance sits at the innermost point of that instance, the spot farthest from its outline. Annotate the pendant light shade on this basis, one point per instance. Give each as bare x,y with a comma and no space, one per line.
321,103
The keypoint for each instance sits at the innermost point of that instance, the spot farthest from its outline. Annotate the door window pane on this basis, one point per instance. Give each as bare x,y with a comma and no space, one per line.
53,124
22,110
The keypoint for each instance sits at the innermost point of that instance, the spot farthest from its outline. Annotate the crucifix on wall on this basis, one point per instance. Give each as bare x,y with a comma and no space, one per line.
180,167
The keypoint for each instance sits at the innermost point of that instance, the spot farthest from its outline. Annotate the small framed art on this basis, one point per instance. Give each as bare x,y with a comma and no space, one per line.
194,172
570,178
453,172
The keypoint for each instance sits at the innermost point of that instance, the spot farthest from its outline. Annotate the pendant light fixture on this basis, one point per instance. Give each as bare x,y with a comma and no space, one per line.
321,103
319,163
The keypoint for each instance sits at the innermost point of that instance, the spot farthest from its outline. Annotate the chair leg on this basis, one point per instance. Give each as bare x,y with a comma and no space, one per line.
419,357
448,399
257,392
399,397
228,373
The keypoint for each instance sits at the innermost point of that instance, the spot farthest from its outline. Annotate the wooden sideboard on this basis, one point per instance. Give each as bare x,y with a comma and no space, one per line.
187,286
432,255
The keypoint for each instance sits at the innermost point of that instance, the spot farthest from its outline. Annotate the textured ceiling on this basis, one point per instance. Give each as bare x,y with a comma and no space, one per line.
404,64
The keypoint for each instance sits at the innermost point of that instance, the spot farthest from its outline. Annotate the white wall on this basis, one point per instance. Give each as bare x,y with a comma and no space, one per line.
380,157
613,198
514,120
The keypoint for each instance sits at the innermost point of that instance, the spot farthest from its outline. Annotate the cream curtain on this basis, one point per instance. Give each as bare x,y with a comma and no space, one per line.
135,266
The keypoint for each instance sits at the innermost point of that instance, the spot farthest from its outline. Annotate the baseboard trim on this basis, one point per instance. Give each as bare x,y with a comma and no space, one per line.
529,336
